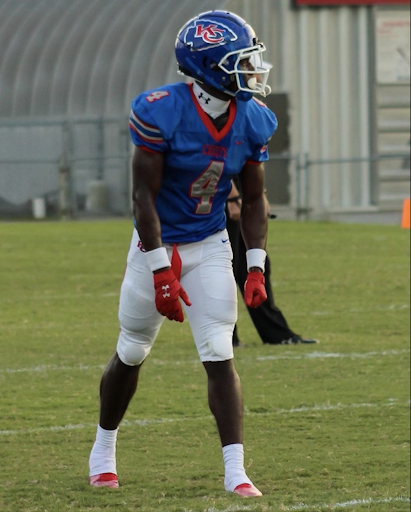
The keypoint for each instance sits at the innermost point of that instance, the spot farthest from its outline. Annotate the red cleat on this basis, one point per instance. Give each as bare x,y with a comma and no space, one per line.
104,480
247,491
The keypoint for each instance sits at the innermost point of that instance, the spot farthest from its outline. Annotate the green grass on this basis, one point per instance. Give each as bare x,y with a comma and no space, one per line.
326,427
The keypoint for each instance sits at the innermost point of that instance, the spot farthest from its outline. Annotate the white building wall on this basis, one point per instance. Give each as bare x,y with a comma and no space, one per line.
324,59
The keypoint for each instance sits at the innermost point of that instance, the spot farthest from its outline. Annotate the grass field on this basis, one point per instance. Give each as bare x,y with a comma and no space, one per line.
326,427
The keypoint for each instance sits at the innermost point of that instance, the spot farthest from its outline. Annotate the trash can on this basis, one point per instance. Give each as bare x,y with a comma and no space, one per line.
39,207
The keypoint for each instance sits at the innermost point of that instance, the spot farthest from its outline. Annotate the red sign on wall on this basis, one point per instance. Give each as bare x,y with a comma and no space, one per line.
328,3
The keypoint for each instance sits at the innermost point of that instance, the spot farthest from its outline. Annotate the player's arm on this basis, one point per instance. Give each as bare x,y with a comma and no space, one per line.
234,203
254,230
254,209
147,179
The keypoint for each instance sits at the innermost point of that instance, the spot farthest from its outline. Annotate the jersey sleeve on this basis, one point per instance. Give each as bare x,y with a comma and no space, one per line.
149,121
263,125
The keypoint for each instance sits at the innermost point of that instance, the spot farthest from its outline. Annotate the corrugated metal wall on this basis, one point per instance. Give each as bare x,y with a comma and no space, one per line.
71,57
324,59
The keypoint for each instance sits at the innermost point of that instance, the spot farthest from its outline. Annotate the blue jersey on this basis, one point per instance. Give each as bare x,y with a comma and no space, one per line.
200,161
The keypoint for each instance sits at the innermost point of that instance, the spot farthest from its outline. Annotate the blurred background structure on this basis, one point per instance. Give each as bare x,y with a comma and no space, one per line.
69,70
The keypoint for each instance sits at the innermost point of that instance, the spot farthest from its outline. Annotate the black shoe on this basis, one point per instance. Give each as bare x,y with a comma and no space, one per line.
298,340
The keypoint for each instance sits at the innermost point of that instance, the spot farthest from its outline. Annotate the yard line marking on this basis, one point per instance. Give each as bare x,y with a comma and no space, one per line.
391,307
66,296
87,295
147,422
310,355
346,504
336,355
231,508
52,367
323,506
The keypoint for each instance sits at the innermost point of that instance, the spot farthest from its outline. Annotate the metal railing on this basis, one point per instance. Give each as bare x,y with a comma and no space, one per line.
368,181
57,160
301,186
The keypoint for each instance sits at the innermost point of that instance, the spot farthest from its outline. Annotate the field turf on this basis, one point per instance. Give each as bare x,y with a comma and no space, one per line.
327,427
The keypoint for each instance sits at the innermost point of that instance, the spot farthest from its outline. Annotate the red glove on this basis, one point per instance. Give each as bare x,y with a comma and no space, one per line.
168,291
254,290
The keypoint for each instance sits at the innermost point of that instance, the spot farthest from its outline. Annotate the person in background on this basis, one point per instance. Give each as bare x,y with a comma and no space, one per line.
269,321
190,140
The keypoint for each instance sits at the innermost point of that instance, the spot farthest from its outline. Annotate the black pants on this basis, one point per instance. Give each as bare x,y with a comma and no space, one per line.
268,320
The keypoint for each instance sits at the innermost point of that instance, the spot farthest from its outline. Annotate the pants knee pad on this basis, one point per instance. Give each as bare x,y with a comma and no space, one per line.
130,350
217,348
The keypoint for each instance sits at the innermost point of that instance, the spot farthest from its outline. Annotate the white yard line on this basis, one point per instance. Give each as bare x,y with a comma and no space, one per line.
335,355
286,356
335,506
88,295
391,307
53,368
53,296
301,507
392,402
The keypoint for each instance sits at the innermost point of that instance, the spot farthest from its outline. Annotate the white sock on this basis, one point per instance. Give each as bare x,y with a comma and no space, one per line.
233,455
103,454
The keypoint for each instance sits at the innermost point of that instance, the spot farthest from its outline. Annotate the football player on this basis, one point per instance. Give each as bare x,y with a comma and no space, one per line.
190,140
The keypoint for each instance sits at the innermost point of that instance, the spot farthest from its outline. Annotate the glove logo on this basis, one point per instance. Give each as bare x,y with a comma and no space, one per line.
168,294
141,246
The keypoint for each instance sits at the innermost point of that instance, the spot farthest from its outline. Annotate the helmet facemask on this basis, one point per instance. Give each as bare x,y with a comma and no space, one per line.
233,65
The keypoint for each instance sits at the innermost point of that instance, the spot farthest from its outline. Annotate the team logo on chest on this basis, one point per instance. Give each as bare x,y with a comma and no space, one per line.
209,32
216,151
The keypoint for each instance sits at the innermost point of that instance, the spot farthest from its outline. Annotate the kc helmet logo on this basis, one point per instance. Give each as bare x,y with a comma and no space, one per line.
210,32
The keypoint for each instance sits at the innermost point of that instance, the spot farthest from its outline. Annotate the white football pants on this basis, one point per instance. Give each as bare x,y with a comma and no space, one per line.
207,277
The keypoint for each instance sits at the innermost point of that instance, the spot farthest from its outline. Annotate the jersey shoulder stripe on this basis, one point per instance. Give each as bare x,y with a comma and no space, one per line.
147,132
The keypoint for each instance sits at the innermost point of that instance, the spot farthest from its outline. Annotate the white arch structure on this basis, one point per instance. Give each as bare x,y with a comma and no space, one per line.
76,58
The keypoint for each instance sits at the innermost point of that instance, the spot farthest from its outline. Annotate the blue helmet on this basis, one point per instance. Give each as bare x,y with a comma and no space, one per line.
215,48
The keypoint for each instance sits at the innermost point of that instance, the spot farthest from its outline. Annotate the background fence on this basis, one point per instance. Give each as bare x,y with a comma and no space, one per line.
81,167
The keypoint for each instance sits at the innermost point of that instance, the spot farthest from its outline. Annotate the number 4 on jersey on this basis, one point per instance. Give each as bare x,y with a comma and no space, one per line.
205,187
157,95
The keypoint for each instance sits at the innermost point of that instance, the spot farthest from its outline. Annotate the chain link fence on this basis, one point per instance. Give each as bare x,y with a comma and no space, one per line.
81,167
76,167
